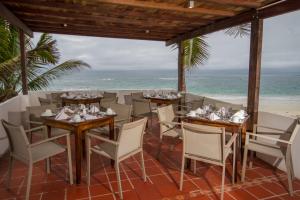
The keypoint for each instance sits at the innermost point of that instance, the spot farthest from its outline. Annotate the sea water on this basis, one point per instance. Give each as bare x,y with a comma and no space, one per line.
276,83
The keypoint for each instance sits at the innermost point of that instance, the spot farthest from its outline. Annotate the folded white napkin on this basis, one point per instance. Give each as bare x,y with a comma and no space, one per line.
62,116
94,109
213,117
64,95
110,111
241,114
66,109
82,106
89,117
200,111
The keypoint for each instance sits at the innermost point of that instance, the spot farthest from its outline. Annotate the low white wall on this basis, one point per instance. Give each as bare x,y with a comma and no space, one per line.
18,103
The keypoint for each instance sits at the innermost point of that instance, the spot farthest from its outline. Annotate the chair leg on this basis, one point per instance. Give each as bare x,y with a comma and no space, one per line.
69,160
288,171
119,179
143,166
181,174
292,168
251,159
159,149
48,165
223,181
88,159
10,167
195,166
244,164
29,181
233,162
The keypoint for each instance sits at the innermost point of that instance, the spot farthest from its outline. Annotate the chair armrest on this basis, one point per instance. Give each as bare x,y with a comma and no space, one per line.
267,127
102,138
34,122
48,140
169,123
268,138
232,139
35,129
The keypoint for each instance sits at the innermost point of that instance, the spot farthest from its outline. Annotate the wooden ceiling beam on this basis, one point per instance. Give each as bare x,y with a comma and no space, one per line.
36,13
243,3
98,34
12,19
94,10
246,17
168,7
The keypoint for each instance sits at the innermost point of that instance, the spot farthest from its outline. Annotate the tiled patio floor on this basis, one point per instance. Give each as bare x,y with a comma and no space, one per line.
263,182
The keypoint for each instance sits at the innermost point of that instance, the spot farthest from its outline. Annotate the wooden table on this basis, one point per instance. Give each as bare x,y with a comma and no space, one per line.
79,130
240,128
163,101
85,101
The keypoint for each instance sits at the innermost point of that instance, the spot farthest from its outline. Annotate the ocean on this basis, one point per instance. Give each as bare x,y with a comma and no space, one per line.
277,83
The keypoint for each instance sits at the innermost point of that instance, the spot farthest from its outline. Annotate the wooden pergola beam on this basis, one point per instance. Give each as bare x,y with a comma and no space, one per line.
12,19
169,7
269,11
254,70
244,3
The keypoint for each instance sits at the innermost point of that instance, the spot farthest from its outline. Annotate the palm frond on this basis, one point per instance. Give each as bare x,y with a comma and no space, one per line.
195,52
40,81
239,31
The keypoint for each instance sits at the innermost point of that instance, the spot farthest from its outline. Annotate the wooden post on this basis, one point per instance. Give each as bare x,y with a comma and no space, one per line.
23,62
254,69
181,70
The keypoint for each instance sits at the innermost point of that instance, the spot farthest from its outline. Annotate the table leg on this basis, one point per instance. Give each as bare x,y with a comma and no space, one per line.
112,136
48,161
236,163
78,154
242,141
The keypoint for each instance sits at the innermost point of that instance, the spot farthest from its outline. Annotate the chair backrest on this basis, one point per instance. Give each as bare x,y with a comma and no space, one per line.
106,102
19,118
140,107
194,104
131,137
18,141
206,142
35,112
272,120
137,95
44,101
128,99
123,111
109,95
165,113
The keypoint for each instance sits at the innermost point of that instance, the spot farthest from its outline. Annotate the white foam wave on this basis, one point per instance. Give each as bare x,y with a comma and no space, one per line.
170,78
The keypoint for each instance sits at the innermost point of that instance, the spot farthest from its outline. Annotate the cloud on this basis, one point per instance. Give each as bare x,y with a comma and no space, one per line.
281,47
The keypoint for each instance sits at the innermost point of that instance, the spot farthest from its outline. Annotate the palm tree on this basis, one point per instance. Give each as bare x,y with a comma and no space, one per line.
42,62
196,50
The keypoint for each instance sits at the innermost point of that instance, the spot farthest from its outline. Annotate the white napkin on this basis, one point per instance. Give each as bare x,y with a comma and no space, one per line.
200,111
94,109
241,114
110,111
82,106
64,95
213,117
66,109
89,117
71,96
62,116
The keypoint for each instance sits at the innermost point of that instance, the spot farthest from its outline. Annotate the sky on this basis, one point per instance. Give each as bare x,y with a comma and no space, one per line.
281,48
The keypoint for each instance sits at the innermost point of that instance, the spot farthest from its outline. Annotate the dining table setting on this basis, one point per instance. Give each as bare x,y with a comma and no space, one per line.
78,119
163,98
85,98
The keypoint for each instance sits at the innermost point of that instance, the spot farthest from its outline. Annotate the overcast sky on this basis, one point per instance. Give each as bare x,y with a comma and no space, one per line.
281,48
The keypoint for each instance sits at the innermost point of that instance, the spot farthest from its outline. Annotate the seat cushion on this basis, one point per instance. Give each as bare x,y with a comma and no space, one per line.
106,149
265,148
45,150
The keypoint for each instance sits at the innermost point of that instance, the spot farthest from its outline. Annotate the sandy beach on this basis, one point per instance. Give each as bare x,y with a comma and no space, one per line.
288,106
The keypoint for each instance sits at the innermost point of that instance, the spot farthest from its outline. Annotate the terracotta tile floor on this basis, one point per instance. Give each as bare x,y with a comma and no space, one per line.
262,181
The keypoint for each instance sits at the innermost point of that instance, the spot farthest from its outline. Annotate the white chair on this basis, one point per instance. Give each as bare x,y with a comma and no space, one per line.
207,144
142,108
22,150
167,124
262,142
129,143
